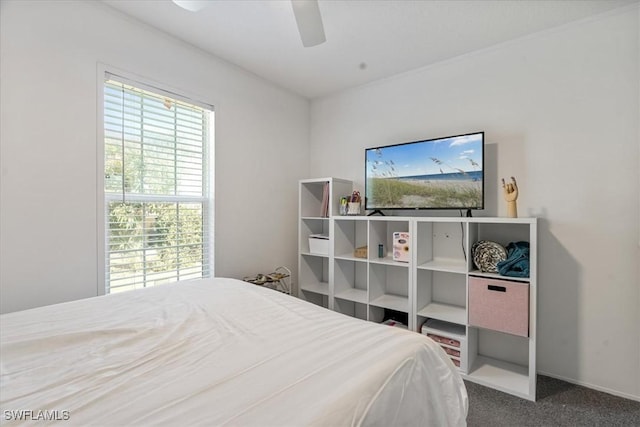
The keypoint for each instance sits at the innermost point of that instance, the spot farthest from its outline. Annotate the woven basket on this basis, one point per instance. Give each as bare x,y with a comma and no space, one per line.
360,252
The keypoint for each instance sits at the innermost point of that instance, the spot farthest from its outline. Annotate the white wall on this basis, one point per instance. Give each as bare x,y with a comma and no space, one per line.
561,111
49,56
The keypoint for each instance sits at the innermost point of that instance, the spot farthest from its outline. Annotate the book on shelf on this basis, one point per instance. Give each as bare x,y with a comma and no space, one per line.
325,201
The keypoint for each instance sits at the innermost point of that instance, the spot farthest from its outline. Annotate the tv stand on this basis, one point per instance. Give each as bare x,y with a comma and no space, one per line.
376,212
469,213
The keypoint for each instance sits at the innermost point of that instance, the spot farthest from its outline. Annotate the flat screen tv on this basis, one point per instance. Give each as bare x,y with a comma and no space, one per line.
440,173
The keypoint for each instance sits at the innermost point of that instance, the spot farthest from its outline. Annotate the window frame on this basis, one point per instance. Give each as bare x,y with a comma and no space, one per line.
102,197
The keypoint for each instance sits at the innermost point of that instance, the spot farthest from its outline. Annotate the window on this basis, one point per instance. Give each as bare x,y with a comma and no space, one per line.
157,198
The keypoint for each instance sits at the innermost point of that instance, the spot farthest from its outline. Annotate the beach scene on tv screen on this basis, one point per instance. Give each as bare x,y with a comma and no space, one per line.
440,174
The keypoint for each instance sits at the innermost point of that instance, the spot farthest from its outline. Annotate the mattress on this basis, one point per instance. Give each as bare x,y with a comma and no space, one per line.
219,352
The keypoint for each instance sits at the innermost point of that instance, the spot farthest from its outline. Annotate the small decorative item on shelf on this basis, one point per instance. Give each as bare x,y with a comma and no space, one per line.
511,195
360,252
487,255
354,203
391,322
401,245
344,201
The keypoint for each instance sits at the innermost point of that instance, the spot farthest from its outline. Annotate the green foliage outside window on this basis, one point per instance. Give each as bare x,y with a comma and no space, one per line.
154,151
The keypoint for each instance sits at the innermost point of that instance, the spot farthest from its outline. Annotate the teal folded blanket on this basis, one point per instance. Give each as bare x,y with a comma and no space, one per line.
517,262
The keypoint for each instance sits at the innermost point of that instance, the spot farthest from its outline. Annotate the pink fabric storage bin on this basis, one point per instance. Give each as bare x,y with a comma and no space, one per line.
500,305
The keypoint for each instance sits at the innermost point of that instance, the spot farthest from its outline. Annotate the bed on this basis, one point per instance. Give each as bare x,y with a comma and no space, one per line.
220,352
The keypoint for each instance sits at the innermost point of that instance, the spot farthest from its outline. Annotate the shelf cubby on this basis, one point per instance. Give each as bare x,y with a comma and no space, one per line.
350,280
441,295
381,233
351,308
311,195
376,314
309,226
389,287
350,234
314,274
314,298
501,361
440,246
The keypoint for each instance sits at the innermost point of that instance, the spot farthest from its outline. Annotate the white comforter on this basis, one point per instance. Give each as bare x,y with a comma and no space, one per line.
220,352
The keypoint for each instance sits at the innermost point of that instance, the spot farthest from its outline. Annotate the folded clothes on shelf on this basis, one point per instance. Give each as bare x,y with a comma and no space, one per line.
517,262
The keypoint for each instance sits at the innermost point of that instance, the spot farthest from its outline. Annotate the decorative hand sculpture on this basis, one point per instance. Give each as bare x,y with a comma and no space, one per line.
511,195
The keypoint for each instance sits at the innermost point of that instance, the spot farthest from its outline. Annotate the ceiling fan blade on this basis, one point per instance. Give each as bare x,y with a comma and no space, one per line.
309,22
191,5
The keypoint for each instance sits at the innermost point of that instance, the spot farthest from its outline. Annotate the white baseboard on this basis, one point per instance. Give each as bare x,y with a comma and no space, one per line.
592,386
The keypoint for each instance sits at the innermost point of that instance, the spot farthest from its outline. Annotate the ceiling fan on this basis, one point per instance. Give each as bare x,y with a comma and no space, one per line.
307,15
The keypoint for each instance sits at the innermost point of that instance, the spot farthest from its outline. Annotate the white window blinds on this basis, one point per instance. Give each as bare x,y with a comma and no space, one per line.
157,199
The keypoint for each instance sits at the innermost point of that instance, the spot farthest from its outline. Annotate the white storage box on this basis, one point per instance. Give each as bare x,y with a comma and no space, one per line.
319,244
452,338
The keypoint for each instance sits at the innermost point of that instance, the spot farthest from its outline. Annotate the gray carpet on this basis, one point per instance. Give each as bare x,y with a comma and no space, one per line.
558,404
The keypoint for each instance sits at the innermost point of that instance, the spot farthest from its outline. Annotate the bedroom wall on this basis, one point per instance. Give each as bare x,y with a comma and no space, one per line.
560,111
49,54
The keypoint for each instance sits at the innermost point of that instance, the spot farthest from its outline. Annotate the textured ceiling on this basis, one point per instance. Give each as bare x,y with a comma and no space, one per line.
366,40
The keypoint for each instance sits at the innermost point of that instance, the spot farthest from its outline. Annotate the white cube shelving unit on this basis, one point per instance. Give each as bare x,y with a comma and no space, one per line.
434,284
